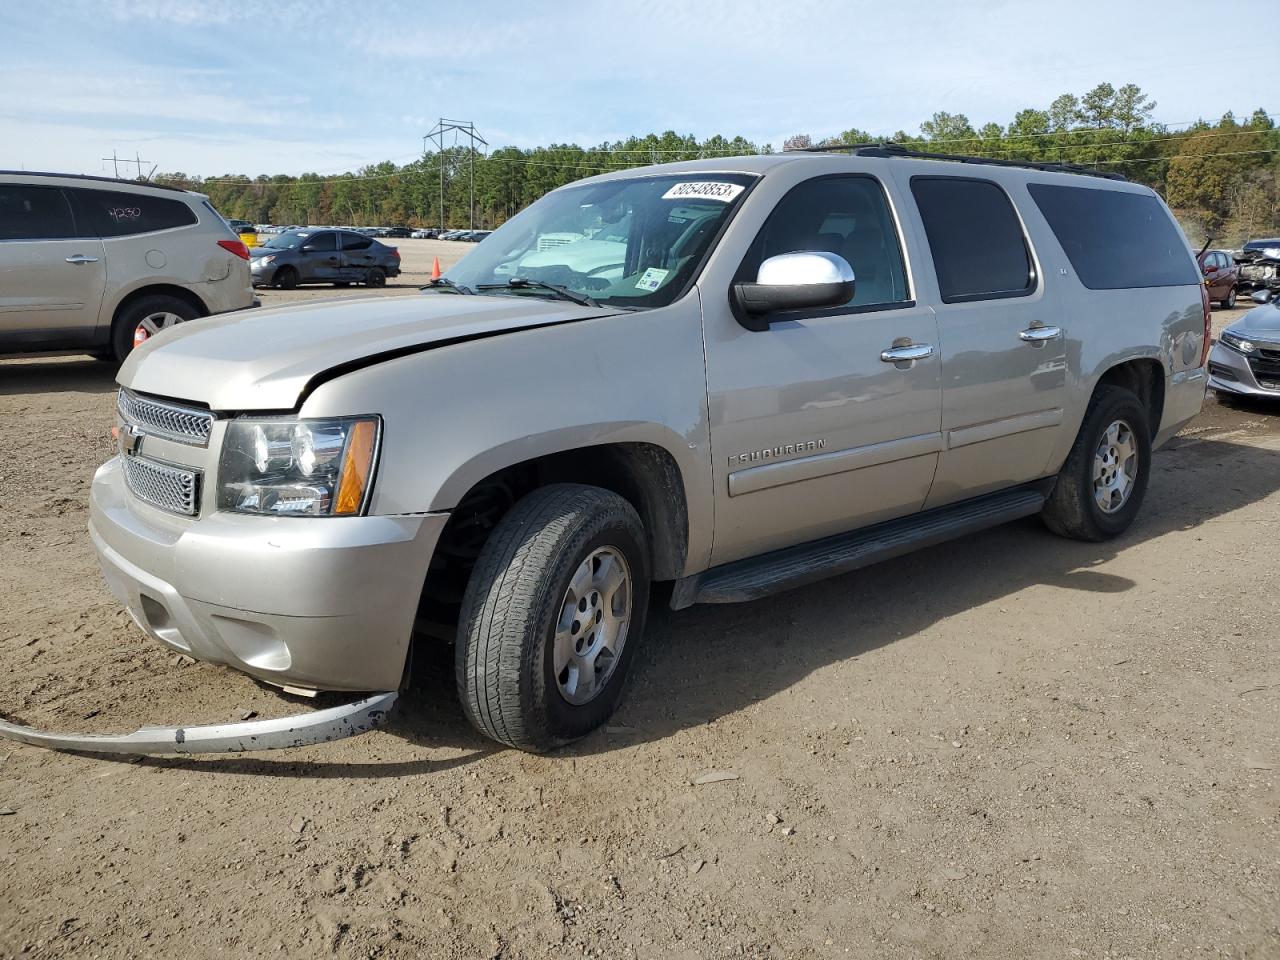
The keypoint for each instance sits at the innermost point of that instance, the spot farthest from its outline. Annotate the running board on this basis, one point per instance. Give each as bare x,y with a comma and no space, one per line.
796,566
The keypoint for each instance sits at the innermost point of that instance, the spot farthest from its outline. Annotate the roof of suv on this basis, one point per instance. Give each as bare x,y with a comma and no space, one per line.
118,181
866,160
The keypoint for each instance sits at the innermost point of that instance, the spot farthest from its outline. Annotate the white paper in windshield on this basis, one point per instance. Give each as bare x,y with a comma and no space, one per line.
704,190
652,279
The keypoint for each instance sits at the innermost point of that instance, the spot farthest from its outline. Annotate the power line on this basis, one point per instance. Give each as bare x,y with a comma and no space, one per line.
1195,156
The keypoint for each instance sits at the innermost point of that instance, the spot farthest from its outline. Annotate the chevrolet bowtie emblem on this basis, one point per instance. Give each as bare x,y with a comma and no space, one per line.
130,440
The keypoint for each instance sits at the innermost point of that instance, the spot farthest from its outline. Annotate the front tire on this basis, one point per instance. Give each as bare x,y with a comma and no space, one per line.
286,278
552,617
1101,486
1230,302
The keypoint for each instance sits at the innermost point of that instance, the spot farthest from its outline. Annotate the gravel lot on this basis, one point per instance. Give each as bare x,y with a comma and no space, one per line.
1009,746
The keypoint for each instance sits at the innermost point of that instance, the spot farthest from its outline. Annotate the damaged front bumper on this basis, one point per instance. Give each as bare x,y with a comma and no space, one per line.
320,726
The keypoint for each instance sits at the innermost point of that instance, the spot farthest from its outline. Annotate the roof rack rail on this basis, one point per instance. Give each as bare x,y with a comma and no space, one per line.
96,179
885,149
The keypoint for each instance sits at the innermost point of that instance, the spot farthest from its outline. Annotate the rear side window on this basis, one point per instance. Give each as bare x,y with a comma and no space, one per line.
1116,240
118,214
34,213
979,251
353,241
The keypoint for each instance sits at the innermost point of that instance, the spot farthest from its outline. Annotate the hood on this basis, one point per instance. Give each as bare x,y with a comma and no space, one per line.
1260,323
264,359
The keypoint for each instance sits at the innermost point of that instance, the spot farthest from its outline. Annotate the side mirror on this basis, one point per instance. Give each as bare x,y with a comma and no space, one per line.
794,281
1261,296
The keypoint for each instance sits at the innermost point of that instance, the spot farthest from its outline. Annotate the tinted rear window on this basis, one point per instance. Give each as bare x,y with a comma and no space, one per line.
34,213
118,214
979,252
1116,240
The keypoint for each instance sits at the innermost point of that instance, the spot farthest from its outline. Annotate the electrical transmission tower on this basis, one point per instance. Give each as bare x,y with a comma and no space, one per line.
137,161
436,136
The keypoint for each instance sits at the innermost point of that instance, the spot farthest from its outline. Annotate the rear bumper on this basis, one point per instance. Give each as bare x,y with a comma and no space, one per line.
321,603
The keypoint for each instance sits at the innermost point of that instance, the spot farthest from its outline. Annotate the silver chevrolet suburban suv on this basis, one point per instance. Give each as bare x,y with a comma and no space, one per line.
732,376
95,265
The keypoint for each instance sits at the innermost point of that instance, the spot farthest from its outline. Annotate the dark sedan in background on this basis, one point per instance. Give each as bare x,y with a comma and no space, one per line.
340,257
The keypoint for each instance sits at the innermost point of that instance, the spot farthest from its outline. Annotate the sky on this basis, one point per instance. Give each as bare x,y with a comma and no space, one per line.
208,87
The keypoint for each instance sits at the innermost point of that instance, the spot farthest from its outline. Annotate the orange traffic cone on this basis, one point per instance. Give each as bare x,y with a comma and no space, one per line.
435,269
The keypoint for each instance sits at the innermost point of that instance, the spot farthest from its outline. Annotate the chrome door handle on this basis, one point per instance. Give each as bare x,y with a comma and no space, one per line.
914,351
1038,335
81,258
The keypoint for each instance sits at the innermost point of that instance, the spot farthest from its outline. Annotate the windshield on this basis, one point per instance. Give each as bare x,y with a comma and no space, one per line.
634,242
287,241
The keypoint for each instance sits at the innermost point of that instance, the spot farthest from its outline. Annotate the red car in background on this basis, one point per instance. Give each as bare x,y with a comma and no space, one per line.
1220,276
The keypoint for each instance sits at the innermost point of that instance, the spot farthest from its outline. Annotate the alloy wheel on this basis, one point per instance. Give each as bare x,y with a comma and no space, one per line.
592,627
1115,467
152,324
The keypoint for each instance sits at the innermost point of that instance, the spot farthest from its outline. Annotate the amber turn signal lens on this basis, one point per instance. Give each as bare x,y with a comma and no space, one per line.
357,467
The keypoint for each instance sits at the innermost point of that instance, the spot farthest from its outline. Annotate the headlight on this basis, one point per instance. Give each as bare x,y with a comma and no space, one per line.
262,261
1272,252
298,468
1237,342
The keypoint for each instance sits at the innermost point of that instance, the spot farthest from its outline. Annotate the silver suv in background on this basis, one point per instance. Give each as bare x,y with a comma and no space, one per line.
95,265
736,376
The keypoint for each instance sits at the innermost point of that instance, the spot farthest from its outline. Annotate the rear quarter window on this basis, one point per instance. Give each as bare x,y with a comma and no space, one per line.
1116,240
118,214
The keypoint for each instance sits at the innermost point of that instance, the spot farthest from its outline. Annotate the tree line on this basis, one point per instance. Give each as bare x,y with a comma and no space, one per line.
1222,178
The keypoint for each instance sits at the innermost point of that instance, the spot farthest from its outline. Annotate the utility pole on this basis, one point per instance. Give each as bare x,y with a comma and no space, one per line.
137,161
436,136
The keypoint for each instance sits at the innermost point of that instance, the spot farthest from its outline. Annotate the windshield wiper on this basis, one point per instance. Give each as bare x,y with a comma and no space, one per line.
524,283
447,284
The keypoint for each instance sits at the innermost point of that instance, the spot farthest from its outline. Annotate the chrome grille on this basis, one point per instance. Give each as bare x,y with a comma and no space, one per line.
168,420
170,488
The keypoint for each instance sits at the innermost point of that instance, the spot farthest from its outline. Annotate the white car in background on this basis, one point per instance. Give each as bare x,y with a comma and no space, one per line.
96,265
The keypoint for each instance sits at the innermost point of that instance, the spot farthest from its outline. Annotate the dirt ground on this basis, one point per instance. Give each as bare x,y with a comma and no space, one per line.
1009,746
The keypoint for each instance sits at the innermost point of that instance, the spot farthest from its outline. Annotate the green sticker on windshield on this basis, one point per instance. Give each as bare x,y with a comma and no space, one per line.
651,279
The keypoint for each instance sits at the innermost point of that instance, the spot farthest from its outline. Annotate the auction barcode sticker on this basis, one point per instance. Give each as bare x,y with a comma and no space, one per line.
704,190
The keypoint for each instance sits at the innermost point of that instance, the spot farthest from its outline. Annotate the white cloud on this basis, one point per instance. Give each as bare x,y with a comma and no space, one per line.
218,85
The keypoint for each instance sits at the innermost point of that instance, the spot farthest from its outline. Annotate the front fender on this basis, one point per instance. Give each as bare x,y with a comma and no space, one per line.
456,414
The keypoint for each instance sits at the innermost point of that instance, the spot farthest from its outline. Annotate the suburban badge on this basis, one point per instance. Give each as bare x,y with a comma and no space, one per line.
775,453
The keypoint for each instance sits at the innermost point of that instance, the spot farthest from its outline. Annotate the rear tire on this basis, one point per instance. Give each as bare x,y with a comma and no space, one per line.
286,278
153,312
376,277
1101,486
552,617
